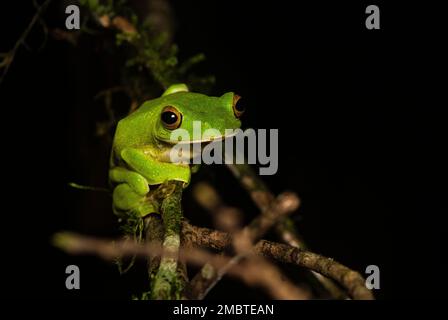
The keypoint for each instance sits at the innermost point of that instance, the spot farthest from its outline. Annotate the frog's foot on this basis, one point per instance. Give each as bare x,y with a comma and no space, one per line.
125,199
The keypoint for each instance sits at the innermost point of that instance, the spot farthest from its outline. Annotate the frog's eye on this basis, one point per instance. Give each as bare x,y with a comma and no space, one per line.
171,118
238,107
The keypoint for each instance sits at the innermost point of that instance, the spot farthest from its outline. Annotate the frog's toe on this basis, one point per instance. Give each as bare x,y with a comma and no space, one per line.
126,199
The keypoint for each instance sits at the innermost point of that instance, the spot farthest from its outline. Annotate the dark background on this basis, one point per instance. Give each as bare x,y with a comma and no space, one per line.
360,131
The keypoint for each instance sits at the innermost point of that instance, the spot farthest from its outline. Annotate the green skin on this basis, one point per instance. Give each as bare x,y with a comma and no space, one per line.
141,146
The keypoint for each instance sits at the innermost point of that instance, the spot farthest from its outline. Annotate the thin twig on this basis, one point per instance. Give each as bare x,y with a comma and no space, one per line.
224,217
285,203
9,56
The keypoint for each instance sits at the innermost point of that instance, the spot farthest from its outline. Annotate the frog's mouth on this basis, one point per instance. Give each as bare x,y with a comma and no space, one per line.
201,141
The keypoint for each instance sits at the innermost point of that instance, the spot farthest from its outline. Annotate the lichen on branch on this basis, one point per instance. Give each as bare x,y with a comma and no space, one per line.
167,282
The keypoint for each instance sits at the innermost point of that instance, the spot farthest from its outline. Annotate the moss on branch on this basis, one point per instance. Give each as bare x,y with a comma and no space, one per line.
168,283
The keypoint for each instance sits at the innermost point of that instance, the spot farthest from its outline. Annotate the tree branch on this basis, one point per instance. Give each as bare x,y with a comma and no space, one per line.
154,234
349,279
251,272
167,282
205,280
8,57
285,229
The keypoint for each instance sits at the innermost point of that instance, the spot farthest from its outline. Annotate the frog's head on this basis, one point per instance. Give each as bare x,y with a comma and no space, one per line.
179,109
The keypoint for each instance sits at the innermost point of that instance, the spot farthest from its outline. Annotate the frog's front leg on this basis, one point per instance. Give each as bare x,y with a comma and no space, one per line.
130,193
136,181
156,171
143,170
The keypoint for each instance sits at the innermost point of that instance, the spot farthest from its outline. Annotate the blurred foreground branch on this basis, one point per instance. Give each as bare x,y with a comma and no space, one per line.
351,280
285,228
203,282
251,274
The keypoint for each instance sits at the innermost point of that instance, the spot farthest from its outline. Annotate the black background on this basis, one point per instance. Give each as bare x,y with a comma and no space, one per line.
360,133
